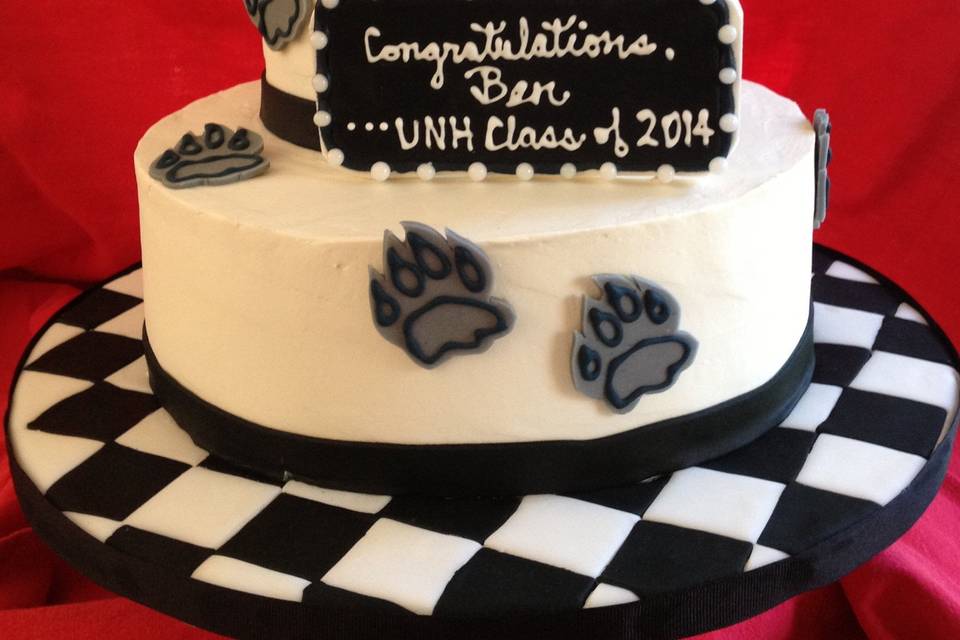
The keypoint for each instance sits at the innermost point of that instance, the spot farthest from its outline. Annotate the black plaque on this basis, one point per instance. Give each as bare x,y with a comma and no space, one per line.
636,83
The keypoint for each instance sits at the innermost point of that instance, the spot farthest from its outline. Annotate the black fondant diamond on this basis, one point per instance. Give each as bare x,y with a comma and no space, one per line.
335,599
97,307
838,364
178,557
215,463
658,557
821,261
495,584
806,515
113,482
909,338
298,537
778,455
635,499
897,423
102,412
473,519
856,295
91,356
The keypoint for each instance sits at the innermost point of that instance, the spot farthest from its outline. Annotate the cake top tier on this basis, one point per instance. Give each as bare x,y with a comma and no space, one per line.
509,86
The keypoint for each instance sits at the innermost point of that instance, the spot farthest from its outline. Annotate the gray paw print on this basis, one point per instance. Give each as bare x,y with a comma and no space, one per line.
219,156
629,345
433,299
278,21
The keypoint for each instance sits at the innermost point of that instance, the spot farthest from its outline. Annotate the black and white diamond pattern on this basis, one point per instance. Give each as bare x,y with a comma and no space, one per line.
883,397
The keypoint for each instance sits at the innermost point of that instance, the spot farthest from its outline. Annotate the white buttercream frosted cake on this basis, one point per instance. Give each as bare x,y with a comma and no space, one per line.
597,257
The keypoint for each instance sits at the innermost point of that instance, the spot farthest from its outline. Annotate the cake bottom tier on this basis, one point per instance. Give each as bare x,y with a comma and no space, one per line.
258,309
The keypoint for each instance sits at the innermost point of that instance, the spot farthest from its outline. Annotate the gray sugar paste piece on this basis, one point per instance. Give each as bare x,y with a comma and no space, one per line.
823,128
433,297
219,156
278,21
629,344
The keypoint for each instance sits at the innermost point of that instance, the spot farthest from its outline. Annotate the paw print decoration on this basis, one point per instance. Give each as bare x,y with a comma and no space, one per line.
433,299
824,155
629,344
278,21
219,156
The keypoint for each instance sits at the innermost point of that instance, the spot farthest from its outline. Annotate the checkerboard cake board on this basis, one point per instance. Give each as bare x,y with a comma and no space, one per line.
112,484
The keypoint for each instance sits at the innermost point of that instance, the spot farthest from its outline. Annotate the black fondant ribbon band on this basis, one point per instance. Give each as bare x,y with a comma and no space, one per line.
491,469
288,117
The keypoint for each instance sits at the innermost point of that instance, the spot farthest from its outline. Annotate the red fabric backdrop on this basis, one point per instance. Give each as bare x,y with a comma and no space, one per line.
81,81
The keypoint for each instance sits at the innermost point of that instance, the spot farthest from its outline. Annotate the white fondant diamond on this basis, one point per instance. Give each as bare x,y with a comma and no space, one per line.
36,392
726,504
762,556
910,378
906,312
814,407
859,469
99,528
607,595
133,377
45,457
363,502
571,534
403,564
203,507
129,323
250,578
839,325
913,379
130,284
57,334
847,271
159,434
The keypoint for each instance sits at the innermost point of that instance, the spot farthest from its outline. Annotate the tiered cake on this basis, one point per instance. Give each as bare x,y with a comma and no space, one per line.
483,319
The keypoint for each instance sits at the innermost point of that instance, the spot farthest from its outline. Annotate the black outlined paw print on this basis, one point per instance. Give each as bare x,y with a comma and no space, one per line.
219,156
434,299
278,21
629,344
